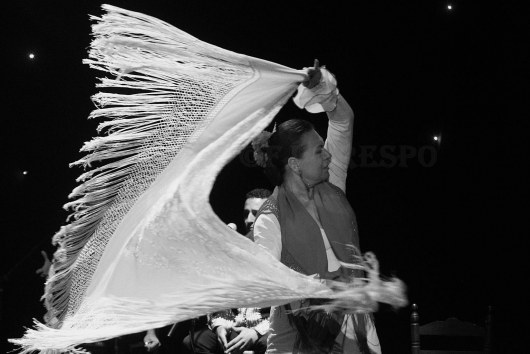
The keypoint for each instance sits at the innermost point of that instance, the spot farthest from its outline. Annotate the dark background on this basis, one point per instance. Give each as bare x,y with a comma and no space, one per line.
450,224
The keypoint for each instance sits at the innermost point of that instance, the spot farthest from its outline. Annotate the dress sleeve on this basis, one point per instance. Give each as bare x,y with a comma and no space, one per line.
325,97
223,318
257,319
267,234
339,142
263,327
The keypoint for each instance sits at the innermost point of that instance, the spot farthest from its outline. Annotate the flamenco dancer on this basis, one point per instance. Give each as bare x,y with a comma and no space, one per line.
308,223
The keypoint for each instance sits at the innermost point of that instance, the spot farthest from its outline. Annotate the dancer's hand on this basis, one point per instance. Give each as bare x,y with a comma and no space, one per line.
244,340
314,75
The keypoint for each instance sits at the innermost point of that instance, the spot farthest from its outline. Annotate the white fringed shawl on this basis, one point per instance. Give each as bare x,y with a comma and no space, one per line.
143,248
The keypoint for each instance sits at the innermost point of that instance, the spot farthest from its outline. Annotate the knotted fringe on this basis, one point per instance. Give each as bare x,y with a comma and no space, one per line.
144,130
360,297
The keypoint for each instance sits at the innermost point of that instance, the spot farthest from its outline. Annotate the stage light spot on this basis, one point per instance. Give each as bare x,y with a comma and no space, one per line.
435,138
24,172
449,7
31,56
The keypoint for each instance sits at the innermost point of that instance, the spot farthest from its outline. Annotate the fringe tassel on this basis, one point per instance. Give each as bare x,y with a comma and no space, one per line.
141,315
156,63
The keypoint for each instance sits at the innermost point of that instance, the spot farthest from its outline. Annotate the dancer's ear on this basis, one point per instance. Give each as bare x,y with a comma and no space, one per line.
294,165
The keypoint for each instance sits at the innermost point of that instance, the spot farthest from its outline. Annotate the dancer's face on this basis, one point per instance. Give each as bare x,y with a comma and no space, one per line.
314,162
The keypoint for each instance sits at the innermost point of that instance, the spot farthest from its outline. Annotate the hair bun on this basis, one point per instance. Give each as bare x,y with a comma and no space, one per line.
260,145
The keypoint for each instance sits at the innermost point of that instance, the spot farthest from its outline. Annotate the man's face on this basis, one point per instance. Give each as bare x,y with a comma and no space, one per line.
251,208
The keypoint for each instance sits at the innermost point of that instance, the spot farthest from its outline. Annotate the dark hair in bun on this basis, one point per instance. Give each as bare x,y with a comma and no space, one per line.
284,143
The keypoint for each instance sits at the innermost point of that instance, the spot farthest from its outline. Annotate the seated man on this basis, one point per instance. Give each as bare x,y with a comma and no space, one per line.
237,330
233,330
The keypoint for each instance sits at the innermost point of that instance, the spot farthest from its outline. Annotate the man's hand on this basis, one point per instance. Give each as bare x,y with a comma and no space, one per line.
314,75
221,336
244,340
151,341
43,271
